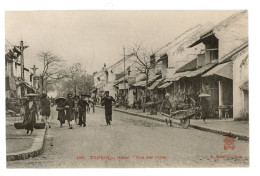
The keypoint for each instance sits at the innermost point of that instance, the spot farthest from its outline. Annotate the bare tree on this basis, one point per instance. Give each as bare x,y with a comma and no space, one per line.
144,64
79,80
52,69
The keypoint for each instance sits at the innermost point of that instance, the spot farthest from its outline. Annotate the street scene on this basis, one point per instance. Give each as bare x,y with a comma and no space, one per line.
127,89
132,141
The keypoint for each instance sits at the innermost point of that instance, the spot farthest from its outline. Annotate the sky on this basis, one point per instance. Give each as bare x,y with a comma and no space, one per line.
93,38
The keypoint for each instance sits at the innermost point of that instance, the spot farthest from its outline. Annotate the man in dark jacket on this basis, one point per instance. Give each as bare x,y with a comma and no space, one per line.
82,110
166,107
45,109
69,107
107,102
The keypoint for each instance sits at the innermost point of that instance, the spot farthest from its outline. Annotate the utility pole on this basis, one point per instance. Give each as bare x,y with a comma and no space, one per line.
34,75
125,94
42,73
22,64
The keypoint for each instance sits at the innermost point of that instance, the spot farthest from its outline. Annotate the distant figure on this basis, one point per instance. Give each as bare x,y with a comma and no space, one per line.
30,114
76,111
45,109
69,107
61,112
107,102
94,103
82,110
88,105
205,108
166,106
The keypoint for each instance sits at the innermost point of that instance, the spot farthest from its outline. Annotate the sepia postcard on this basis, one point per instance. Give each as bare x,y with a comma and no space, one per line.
127,89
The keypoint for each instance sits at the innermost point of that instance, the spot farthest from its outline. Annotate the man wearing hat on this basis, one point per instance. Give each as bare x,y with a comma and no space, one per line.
76,110
69,106
107,102
166,106
82,110
45,109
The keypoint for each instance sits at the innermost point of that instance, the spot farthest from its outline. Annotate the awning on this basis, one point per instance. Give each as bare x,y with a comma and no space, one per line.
203,37
200,70
177,76
165,85
140,84
244,86
155,84
153,78
121,80
223,70
123,86
190,74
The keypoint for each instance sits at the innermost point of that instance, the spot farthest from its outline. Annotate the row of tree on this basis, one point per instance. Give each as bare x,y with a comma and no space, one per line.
57,75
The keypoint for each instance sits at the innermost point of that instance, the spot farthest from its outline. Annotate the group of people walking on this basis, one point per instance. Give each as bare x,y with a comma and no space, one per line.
74,109
69,109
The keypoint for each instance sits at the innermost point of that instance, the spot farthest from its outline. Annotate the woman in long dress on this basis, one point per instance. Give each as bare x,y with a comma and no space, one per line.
69,107
76,111
61,112
30,114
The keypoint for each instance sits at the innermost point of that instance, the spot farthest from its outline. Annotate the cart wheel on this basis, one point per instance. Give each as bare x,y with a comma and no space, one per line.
185,123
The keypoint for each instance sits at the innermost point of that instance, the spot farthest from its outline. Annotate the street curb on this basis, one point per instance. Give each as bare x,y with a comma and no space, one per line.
35,150
224,133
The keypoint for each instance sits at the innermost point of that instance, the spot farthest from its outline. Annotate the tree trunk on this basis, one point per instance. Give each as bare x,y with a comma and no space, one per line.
145,93
42,84
75,89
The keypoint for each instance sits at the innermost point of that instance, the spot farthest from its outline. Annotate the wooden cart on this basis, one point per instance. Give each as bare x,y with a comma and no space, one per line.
183,115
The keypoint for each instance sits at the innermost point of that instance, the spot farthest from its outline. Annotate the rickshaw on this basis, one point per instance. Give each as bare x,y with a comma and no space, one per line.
185,115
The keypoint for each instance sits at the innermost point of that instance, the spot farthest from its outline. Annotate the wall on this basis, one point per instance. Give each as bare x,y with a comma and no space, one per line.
232,33
240,76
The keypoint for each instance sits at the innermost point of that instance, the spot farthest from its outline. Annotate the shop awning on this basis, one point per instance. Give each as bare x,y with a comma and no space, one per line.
121,80
153,78
202,38
190,74
177,76
140,84
223,70
155,84
167,84
200,70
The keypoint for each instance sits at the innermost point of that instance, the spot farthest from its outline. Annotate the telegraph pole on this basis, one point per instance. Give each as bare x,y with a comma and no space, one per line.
34,75
42,74
22,64
124,81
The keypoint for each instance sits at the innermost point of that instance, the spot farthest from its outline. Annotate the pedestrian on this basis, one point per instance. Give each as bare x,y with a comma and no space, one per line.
30,114
69,107
88,103
45,109
76,112
82,110
107,102
166,107
61,112
93,104
204,107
